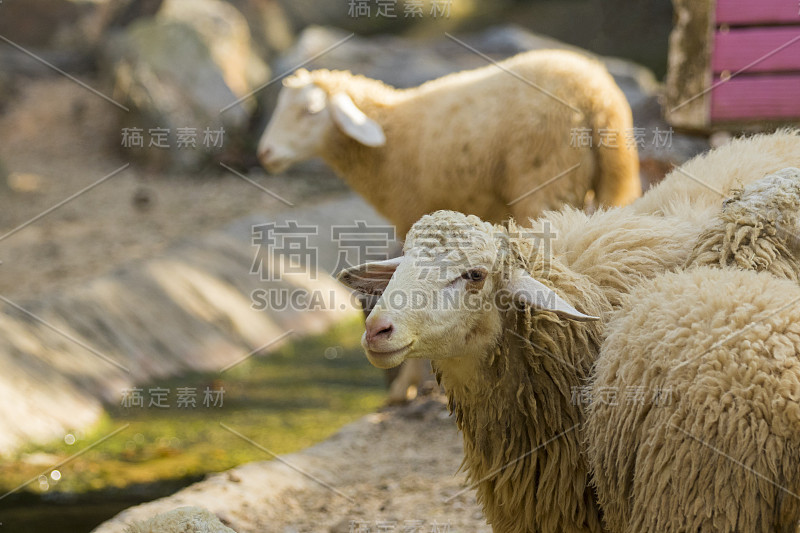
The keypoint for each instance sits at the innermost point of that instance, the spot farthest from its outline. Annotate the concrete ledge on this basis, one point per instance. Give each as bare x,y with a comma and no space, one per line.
188,310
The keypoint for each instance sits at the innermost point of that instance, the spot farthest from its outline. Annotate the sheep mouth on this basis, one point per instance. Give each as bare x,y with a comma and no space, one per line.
276,166
388,359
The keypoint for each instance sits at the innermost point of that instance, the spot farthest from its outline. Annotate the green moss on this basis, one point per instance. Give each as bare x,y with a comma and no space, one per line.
284,401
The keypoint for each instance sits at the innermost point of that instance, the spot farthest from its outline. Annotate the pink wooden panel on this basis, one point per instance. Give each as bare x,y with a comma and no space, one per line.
756,97
775,49
750,12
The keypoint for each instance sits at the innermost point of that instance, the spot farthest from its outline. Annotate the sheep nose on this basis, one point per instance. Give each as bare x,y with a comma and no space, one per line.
264,153
379,329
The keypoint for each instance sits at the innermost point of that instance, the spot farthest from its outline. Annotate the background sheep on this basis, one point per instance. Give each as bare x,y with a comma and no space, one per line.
510,370
182,520
479,141
703,429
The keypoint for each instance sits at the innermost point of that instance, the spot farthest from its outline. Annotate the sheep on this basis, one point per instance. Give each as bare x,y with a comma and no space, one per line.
723,338
494,142
693,190
757,228
182,520
489,305
722,452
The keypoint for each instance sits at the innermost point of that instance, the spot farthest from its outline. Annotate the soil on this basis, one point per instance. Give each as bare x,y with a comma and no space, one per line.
57,139
407,482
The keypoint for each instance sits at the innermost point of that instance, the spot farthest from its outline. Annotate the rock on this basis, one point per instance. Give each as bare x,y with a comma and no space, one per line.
59,30
269,24
39,23
188,72
184,519
226,33
91,31
123,13
662,148
342,15
397,61
164,72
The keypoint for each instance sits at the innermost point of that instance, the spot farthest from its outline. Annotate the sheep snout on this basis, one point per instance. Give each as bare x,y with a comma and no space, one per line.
272,161
382,344
378,330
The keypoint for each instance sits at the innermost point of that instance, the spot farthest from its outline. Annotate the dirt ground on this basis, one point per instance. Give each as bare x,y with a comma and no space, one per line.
57,138
408,482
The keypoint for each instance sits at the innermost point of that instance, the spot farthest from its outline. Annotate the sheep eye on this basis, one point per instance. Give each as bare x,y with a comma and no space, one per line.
474,275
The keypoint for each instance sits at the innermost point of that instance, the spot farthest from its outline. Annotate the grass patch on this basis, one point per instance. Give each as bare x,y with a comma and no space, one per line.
284,401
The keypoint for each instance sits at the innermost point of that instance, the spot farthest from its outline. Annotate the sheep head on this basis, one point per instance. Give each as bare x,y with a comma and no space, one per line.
448,294
303,120
773,200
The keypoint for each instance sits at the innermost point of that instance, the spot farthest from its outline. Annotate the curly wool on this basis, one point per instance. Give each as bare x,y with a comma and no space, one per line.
757,228
720,450
725,344
521,430
693,191
521,425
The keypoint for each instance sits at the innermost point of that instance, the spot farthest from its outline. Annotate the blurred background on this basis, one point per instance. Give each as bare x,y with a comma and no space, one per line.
129,187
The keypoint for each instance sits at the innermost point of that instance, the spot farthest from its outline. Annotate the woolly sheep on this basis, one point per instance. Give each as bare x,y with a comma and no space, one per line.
693,191
723,341
758,228
182,520
485,303
722,454
493,142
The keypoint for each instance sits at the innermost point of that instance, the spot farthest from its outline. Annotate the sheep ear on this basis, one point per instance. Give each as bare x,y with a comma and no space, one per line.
528,291
354,123
369,278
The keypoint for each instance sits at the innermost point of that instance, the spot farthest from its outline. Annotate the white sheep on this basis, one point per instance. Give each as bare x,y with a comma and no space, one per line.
181,520
486,303
703,369
758,228
502,140
720,451
693,190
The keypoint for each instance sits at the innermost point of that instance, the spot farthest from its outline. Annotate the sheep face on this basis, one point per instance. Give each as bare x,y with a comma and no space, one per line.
304,119
297,129
448,295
